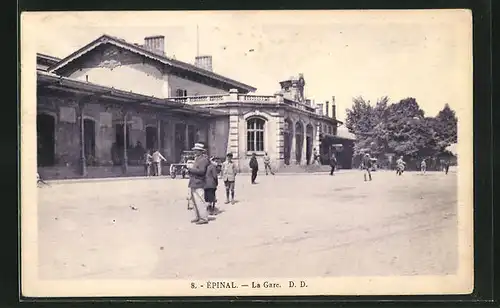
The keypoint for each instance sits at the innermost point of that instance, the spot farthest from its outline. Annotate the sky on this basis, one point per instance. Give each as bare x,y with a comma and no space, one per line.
422,54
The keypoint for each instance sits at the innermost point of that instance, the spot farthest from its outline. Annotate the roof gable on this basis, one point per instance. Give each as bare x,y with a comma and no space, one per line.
137,49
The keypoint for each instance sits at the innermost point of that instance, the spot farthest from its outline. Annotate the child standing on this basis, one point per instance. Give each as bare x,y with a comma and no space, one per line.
211,183
148,159
228,175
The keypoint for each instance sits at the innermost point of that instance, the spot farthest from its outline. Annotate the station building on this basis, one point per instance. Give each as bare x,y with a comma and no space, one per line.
100,107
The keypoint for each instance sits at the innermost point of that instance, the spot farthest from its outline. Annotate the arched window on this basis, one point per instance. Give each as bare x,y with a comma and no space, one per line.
255,135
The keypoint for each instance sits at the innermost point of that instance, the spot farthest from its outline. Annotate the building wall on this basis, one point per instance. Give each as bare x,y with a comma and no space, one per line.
218,137
123,70
235,131
67,138
271,126
192,88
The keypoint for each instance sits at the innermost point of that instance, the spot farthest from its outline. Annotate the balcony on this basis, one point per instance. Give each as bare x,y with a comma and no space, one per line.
211,100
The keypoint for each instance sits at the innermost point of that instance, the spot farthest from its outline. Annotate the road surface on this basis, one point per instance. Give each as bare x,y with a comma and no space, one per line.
287,225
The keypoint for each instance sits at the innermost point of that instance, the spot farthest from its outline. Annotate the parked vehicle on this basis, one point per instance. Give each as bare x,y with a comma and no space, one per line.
181,168
187,159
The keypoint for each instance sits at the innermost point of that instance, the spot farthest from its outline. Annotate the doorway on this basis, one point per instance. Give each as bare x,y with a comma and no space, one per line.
89,140
309,143
151,133
45,129
287,141
308,149
119,136
299,141
191,136
180,137
117,149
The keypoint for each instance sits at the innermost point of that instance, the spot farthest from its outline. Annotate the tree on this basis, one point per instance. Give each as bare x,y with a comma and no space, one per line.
400,128
359,119
406,132
365,121
446,125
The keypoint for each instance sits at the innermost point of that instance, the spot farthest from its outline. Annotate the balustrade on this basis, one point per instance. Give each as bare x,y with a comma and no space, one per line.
206,99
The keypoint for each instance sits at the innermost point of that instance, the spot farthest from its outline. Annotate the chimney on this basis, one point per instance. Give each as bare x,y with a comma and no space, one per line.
155,44
334,113
327,107
319,108
204,62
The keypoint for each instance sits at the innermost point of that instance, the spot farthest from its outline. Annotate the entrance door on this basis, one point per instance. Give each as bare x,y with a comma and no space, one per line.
308,149
287,141
89,140
45,129
119,135
299,141
117,151
151,133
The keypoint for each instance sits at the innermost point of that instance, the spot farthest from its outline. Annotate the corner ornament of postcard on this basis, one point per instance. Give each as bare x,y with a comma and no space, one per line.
253,285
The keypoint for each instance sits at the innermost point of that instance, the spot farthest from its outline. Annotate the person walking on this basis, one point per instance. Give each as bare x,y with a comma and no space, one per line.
254,166
267,163
316,157
400,166
366,165
446,165
211,183
423,166
157,159
228,176
197,180
333,163
148,160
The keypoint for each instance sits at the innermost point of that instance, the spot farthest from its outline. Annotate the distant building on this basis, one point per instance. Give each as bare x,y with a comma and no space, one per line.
102,106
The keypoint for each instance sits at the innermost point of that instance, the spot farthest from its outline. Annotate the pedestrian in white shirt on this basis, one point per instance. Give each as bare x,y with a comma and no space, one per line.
157,159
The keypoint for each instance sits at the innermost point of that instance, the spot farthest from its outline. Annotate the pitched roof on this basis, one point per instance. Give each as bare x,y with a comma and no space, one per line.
56,82
44,61
47,57
135,48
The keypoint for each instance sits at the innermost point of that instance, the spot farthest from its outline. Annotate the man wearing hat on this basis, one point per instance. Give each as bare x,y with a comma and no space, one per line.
197,181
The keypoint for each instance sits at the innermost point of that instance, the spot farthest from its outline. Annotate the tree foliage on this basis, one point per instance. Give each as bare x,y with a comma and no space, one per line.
400,128
447,124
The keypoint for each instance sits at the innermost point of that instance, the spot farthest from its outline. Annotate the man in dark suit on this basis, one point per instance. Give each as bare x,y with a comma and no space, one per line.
254,166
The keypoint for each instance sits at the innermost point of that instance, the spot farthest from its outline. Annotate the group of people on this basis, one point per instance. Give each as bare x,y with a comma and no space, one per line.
367,162
152,163
203,183
204,180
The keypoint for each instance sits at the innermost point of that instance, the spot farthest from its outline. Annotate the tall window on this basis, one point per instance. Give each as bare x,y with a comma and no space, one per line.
255,135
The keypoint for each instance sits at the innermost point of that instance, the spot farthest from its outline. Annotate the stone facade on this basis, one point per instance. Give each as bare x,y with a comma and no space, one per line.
290,134
102,129
288,130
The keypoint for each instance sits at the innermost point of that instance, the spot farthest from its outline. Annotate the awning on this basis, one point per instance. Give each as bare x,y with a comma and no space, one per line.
64,84
333,138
